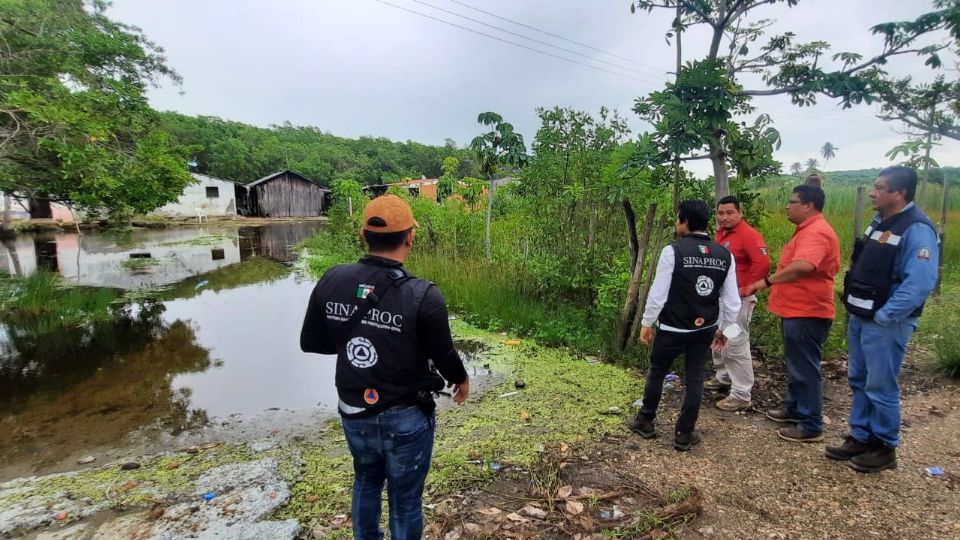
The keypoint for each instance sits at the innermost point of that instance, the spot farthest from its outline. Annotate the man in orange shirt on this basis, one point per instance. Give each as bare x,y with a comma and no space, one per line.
735,363
802,295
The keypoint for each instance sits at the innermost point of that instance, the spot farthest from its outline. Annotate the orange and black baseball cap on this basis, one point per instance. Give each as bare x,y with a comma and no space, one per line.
388,214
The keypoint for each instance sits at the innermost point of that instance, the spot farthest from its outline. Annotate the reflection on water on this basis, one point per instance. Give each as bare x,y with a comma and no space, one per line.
220,336
209,332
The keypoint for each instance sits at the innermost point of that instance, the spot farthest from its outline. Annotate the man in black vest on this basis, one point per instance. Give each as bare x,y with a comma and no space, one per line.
389,330
893,270
695,275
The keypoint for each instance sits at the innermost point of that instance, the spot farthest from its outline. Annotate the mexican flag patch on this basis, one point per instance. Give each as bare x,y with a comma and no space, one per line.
704,249
363,290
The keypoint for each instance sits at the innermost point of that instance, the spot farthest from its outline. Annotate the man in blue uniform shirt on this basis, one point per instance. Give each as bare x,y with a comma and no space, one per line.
893,270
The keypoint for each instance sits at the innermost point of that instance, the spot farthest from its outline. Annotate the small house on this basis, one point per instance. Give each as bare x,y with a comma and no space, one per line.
205,196
283,194
420,187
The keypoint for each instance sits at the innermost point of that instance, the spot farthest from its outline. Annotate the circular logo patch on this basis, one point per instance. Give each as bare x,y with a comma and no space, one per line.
704,286
371,396
699,322
884,237
360,352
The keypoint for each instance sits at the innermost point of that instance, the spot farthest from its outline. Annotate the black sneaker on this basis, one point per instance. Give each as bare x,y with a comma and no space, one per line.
782,416
642,427
849,449
879,459
685,441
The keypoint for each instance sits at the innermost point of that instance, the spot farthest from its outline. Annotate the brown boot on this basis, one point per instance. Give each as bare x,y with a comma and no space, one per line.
795,434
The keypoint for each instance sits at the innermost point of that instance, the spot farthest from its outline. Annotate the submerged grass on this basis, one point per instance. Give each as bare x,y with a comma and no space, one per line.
51,302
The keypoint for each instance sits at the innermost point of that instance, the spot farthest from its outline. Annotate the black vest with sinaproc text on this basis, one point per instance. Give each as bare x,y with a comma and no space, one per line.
870,280
699,270
379,363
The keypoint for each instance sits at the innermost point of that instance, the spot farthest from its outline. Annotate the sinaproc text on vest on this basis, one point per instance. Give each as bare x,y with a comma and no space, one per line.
382,319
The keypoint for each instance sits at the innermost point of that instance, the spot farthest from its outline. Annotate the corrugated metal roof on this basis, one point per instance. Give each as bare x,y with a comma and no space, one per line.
215,178
278,173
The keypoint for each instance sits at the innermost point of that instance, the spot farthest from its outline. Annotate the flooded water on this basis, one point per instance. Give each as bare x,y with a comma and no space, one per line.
197,339
202,334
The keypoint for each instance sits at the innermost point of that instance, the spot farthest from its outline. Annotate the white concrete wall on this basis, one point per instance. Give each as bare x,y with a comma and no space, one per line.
194,196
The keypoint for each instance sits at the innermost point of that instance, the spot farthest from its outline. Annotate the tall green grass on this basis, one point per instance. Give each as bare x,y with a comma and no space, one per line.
44,302
508,296
840,212
507,301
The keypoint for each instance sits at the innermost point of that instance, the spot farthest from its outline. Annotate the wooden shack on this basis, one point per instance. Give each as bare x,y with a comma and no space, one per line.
283,194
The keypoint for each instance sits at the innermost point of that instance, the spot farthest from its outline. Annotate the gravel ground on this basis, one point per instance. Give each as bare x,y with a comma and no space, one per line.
756,485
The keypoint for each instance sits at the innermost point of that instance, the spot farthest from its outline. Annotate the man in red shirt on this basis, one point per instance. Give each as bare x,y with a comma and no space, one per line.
734,364
801,293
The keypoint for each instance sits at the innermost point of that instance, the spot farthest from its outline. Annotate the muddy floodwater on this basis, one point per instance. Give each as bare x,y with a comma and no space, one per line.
203,343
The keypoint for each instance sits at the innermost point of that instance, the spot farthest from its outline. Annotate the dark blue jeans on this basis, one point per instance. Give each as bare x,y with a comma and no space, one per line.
803,339
396,446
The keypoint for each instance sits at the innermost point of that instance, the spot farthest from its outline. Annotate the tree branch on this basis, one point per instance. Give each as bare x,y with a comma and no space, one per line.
850,71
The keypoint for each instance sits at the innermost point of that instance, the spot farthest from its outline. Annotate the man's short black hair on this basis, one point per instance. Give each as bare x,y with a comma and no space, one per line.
384,241
695,213
903,179
810,193
729,199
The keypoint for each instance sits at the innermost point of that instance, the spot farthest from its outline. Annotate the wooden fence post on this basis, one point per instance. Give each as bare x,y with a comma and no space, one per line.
662,235
630,306
858,212
943,228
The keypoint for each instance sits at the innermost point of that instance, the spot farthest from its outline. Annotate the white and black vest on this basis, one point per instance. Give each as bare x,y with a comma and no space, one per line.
699,271
870,280
379,363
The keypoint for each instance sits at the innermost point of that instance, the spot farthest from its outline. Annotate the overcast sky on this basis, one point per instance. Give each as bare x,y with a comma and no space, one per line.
364,67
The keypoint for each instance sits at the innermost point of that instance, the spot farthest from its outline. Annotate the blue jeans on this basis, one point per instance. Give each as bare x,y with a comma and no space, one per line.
876,354
803,339
396,446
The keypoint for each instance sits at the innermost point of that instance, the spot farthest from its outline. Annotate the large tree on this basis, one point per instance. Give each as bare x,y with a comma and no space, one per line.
75,125
740,46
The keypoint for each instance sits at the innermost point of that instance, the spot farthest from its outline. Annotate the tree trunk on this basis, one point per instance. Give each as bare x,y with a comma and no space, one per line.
592,230
676,185
7,212
632,233
489,217
926,171
631,308
6,238
720,174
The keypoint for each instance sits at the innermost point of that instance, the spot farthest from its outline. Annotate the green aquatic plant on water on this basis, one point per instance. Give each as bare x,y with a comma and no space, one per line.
45,301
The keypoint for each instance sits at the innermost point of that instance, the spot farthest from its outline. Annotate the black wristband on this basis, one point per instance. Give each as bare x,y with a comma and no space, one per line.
766,280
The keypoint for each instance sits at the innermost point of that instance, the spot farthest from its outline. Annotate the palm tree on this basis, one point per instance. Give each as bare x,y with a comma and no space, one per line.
499,146
829,151
796,168
812,164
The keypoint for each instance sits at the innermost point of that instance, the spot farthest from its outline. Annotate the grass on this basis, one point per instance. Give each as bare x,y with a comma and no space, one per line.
47,302
566,400
506,296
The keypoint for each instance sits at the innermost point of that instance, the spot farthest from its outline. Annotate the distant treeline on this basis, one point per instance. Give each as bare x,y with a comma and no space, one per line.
867,176
244,153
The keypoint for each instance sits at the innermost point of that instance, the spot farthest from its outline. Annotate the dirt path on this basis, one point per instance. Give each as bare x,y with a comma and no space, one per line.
747,482
758,486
